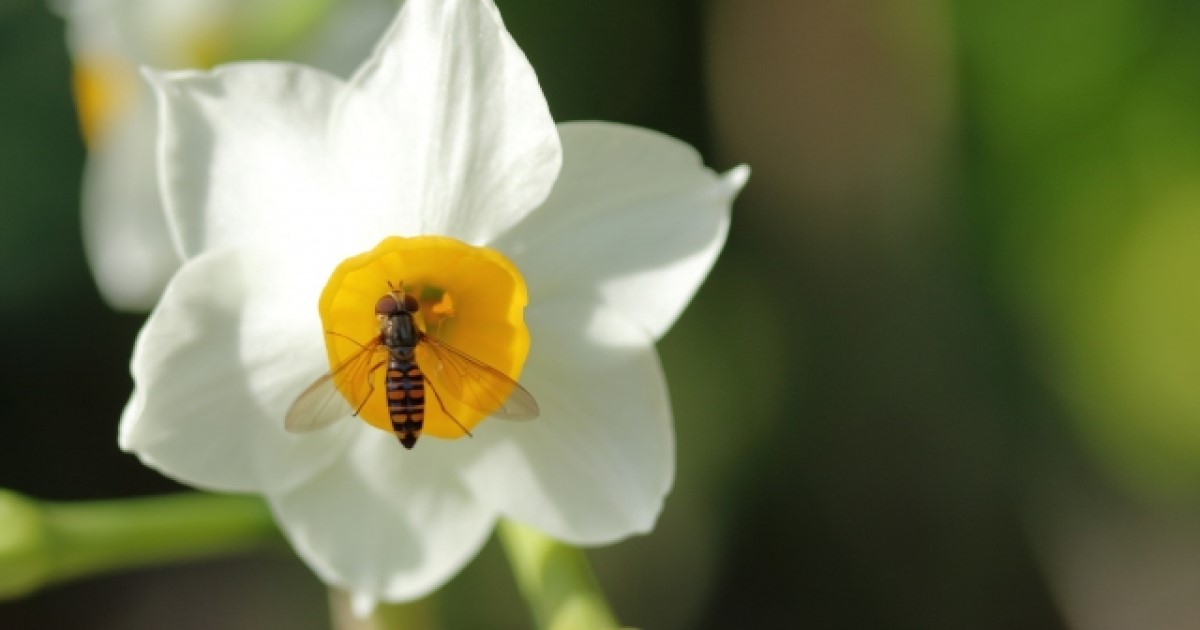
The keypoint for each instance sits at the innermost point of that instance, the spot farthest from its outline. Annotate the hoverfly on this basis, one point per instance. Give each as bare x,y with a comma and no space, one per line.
461,377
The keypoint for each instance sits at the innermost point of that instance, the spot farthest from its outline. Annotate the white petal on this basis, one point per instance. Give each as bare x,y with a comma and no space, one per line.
595,467
245,159
124,231
93,26
385,522
449,116
443,131
228,348
634,215
362,605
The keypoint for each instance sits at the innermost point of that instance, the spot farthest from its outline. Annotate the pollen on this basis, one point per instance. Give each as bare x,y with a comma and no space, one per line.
439,313
445,306
470,298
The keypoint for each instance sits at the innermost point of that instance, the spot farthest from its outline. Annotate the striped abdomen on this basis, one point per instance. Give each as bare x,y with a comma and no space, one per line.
406,396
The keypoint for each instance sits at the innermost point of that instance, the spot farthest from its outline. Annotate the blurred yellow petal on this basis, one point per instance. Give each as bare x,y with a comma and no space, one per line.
105,89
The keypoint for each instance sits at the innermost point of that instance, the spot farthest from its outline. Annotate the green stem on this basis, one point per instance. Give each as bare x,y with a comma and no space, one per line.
556,581
52,542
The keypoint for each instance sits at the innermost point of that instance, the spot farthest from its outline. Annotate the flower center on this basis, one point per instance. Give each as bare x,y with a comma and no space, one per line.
105,88
470,298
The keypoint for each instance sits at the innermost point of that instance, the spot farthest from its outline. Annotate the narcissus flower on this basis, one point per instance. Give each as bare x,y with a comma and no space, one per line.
557,255
127,242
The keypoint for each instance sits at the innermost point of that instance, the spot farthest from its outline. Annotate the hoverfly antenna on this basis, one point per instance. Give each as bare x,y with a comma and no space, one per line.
398,297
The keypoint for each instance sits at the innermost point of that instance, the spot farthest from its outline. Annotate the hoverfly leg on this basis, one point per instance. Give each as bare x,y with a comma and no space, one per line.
347,338
370,386
443,406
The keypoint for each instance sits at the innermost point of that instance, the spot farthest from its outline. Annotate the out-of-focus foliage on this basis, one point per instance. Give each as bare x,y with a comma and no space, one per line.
1084,131
40,161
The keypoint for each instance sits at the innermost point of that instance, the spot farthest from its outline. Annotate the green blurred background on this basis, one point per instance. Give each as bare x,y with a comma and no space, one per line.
958,383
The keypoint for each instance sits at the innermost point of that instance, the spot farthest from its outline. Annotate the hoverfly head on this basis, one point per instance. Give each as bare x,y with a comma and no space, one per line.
387,305
395,301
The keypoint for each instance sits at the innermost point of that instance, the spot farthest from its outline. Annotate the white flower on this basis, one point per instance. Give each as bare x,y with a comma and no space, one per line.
126,239
275,173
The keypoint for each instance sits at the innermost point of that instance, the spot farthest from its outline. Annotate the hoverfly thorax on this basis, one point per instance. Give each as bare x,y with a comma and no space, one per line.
397,326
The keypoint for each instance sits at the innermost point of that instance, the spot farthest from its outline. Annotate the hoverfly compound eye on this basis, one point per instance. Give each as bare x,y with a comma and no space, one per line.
410,304
386,305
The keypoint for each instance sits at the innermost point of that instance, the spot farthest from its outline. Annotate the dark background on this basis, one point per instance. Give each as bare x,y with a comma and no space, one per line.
958,321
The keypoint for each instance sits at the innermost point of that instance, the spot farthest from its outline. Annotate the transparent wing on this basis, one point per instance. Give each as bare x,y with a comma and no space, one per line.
322,403
474,383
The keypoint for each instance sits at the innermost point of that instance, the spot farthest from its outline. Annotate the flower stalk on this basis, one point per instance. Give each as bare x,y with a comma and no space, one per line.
43,543
405,616
556,581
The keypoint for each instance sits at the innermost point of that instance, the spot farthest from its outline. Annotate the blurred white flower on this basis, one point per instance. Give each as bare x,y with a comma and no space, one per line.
125,235
274,174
